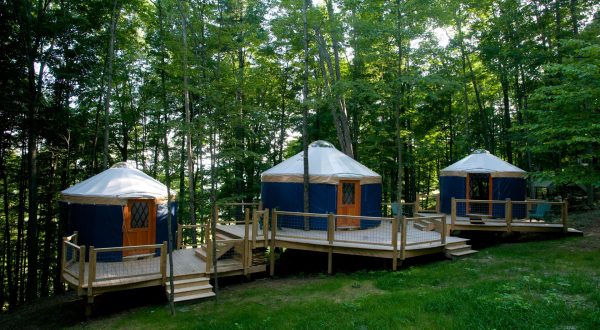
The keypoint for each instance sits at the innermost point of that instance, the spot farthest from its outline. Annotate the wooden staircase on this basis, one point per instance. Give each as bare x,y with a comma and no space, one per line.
424,225
458,250
190,288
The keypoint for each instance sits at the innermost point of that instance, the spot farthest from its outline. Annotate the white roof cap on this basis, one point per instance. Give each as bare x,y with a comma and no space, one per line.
326,164
114,186
481,161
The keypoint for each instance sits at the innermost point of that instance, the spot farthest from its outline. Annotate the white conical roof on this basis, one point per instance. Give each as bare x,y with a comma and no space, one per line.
115,186
326,164
481,161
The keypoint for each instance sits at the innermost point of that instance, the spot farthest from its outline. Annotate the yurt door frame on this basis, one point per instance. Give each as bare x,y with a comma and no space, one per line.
471,178
139,224
348,202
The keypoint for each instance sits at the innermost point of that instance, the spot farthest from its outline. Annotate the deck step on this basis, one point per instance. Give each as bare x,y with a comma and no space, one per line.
424,225
191,282
180,292
459,251
191,288
194,297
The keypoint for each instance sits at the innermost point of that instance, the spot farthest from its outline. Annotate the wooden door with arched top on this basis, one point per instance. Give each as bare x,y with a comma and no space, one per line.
348,202
139,217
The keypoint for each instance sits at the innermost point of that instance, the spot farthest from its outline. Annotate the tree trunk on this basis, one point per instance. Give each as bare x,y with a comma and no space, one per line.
507,124
111,53
188,120
345,139
305,113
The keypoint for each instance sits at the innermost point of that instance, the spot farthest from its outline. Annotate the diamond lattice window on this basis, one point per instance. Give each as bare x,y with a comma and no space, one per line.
348,193
139,215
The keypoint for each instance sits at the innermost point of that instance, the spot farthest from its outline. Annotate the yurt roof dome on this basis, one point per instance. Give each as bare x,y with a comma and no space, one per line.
114,186
326,164
482,161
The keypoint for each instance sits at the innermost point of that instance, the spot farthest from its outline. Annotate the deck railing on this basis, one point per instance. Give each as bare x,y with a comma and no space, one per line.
348,231
111,266
511,212
73,261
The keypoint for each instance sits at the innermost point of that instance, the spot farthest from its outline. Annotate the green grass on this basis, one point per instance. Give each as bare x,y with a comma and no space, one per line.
533,285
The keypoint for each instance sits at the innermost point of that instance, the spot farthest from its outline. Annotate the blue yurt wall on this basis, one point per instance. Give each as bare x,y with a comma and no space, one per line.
282,185
508,181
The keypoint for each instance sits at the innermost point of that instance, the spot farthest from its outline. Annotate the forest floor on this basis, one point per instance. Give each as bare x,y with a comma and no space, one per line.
520,282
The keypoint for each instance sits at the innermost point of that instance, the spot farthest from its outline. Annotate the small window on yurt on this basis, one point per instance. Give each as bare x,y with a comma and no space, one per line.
348,193
140,212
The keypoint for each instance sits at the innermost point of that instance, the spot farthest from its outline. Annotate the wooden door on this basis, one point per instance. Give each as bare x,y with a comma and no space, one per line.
348,202
139,217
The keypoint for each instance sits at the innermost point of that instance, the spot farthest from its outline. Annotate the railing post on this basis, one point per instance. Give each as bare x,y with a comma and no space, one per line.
81,270
179,236
246,242
437,203
330,238
91,272
163,262
254,227
443,221
417,206
453,214
403,238
75,237
565,215
208,248
266,226
395,242
273,234
508,214
63,258
527,207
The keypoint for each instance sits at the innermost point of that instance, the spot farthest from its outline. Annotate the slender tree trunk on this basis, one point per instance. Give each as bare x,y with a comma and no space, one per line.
8,269
188,119
398,107
111,53
346,138
482,113
305,112
282,116
464,76
574,17
507,123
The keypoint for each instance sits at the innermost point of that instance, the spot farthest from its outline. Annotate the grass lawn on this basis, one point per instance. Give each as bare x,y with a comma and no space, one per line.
549,284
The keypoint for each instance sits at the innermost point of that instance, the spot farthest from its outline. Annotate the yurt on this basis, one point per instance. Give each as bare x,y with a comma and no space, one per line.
121,206
338,184
482,176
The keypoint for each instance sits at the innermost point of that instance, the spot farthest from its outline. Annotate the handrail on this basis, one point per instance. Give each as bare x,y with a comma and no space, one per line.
127,248
303,214
360,217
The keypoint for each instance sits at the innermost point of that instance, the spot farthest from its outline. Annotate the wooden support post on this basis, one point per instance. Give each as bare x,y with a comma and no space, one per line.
395,243
330,238
527,207
437,203
81,270
273,233
163,262
444,233
91,272
254,227
209,250
266,225
179,236
63,258
75,237
403,238
417,206
247,252
508,214
453,214
565,215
